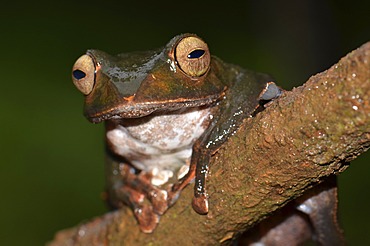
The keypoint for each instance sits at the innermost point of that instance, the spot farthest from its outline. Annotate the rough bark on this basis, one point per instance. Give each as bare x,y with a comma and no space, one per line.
308,134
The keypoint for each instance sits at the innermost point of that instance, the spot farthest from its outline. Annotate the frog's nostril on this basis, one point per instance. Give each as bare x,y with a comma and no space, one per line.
78,74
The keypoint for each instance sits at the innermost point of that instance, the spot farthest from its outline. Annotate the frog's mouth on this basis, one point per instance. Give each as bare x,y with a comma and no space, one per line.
137,110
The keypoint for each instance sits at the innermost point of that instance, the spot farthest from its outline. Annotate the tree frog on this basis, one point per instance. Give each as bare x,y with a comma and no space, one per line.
166,112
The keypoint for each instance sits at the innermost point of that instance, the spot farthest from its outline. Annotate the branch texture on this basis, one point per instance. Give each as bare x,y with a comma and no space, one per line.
306,135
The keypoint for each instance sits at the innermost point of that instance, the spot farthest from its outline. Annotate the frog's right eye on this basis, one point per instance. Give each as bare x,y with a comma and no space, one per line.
192,56
83,74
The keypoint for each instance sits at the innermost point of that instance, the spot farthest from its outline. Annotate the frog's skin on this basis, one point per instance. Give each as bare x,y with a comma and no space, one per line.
166,112
312,216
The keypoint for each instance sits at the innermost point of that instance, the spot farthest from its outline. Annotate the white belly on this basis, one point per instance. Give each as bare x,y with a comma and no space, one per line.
161,144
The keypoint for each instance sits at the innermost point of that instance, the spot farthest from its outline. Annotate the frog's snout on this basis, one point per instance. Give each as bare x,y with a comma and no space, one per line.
83,74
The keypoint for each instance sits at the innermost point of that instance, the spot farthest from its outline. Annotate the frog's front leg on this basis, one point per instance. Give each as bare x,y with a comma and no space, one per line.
226,121
124,184
220,129
197,171
200,200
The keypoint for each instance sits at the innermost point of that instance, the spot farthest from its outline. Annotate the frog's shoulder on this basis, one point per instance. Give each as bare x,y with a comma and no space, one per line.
240,101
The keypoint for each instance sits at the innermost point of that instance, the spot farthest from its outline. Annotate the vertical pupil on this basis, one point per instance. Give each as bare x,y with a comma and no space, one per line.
196,54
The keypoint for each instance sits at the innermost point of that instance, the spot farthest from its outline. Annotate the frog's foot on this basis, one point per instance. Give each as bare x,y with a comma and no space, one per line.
200,204
157,197
159,200
321,205
147,219
144,212
142,184
147,213
147,201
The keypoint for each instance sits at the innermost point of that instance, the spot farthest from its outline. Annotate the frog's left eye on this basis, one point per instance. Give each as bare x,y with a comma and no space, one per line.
192,56
83,74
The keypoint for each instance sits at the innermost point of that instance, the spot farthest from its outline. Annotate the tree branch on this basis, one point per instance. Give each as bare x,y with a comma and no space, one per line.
306,135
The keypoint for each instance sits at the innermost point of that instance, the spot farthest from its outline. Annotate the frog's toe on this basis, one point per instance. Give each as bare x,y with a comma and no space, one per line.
160,201
148,220
200,204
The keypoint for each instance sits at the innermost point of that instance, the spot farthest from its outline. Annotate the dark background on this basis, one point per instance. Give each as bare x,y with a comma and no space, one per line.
52,158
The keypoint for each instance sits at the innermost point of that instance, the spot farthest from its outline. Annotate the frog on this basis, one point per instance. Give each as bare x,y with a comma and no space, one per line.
166,112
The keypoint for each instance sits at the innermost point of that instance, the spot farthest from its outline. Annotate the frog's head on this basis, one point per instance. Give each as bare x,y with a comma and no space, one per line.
182,74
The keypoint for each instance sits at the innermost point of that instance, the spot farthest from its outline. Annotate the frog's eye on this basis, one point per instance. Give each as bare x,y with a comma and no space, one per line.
192,56
83,74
